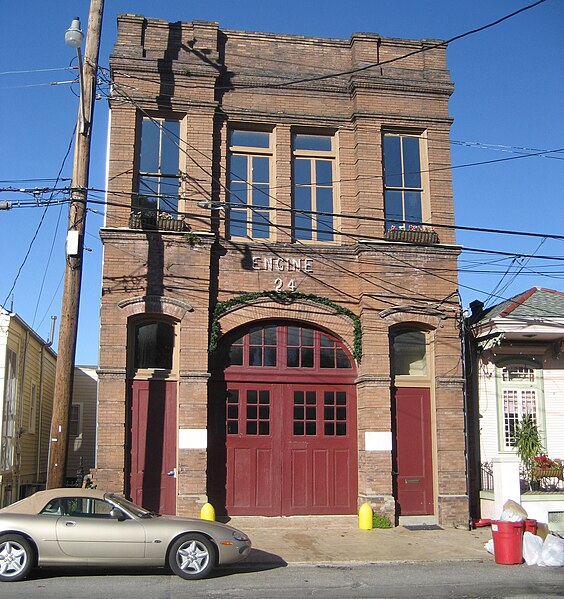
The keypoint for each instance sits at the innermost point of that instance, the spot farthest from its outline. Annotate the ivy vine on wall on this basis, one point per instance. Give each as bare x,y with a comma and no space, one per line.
284,297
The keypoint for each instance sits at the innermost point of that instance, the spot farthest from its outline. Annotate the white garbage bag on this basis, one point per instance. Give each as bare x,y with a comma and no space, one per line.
552,552
532,548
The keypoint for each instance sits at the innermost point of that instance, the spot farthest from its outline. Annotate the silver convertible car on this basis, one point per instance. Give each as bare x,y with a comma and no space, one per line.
87,527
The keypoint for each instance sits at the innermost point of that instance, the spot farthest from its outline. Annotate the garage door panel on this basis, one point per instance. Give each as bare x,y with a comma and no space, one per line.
344,474
322,479
263,477
241,481
299,478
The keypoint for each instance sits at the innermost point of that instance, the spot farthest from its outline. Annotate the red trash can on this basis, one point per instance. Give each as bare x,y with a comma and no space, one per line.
531,525
508,542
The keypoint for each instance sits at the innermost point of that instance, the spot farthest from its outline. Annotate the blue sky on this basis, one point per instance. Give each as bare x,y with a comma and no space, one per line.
509,87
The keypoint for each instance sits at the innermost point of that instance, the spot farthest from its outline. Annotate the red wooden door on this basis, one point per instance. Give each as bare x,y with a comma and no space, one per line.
291,449
290,442
153,445
253,455
414,475
319,473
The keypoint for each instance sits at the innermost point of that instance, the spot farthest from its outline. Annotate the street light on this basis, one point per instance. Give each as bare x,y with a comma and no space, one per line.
62,400
74,38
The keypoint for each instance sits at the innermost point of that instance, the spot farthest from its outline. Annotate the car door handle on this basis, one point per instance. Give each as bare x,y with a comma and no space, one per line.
70,523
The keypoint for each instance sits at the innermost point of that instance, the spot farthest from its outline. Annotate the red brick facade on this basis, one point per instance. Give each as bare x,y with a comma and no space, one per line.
211,80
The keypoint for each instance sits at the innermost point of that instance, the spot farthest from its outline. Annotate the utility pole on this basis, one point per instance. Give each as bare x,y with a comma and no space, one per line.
64,373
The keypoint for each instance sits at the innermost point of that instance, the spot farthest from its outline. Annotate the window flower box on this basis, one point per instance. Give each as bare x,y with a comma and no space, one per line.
152,222
412,235
548,473
544,467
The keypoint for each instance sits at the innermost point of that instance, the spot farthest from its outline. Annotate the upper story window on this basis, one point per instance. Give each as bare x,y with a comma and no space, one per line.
74,420
314,190
159,177
249,184
403,180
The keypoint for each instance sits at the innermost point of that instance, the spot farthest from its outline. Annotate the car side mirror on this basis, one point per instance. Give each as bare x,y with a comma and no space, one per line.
117,514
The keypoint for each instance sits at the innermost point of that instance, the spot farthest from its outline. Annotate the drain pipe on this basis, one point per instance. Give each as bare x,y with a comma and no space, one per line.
463,339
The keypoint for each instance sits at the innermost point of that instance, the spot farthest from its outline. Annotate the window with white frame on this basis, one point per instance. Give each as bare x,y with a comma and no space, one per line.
159,176
403,179
249,184
314,187
9,411
520,386
33,409
74,420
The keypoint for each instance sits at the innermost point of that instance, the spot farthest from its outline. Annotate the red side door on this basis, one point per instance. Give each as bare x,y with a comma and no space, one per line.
414,476
153,445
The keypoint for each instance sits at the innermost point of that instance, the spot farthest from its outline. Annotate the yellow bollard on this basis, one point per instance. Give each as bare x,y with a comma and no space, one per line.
365,515
207,512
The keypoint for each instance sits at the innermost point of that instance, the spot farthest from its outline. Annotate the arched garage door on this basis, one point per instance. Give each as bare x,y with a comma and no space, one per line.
290,423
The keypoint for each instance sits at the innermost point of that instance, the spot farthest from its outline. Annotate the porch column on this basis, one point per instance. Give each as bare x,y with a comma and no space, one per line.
506,481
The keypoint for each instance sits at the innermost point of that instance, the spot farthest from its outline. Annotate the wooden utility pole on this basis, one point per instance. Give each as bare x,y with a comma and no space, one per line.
66,350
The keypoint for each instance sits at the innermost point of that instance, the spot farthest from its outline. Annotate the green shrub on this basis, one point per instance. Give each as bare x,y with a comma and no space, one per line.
379,521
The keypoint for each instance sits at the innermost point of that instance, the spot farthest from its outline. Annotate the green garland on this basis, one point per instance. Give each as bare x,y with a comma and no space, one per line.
284,297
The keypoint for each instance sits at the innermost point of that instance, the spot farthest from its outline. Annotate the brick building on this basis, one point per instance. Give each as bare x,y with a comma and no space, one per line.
273,339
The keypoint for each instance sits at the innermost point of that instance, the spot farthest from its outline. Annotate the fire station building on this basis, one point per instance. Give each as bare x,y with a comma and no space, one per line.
280,323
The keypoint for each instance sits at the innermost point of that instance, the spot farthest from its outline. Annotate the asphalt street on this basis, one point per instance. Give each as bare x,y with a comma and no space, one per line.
439,580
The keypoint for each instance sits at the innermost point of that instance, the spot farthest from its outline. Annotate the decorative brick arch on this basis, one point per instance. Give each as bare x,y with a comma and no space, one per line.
155,304
305,311
429,319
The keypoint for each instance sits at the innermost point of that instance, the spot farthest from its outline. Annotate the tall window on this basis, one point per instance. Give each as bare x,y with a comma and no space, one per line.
409,353
158,167
33,409
249,184
9,412
154,345
519,384
314,194
403,188
74,420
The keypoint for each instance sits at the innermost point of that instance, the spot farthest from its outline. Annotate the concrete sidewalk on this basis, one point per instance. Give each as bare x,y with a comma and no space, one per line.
337,539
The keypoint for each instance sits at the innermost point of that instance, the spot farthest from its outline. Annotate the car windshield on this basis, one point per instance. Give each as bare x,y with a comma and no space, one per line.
130,507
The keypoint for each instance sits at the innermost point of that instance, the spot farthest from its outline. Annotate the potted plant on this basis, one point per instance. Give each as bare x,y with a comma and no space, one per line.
528,443
412,233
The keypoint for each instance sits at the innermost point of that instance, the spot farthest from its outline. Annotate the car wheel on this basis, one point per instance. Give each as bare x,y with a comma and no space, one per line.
16,558
192,556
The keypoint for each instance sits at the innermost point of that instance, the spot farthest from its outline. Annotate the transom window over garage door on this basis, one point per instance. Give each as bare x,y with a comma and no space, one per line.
292,347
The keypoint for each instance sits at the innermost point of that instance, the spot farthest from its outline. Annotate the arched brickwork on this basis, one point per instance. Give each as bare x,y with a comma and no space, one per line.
155,304
299,310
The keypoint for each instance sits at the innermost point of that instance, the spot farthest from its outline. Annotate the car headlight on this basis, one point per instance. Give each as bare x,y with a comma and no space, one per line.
239,536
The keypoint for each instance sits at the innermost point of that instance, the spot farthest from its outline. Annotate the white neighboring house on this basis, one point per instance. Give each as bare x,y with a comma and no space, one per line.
518,369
